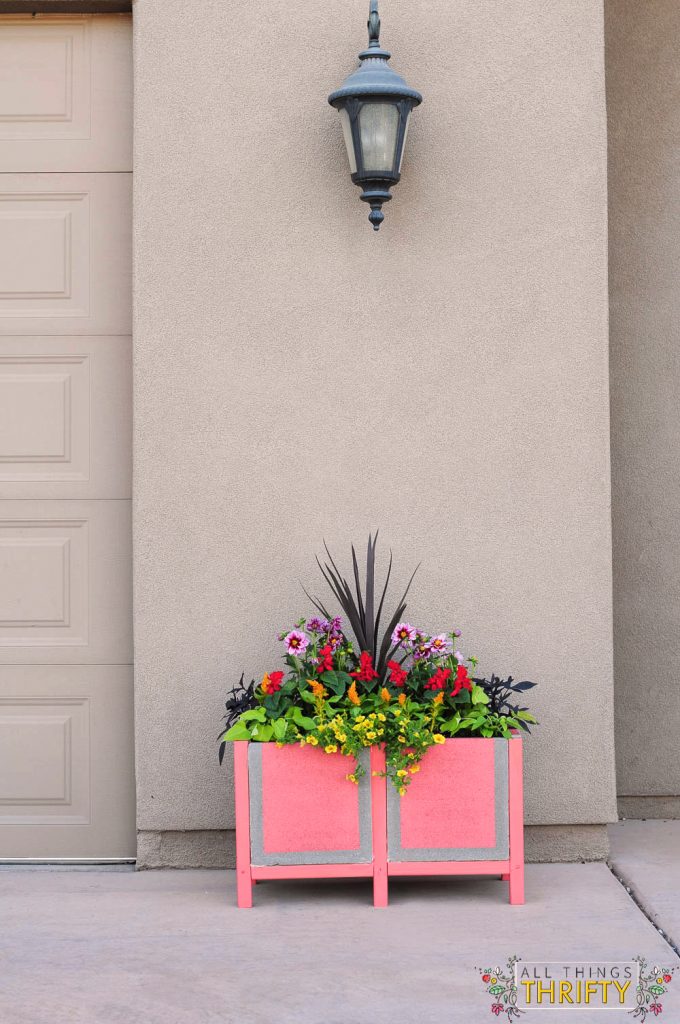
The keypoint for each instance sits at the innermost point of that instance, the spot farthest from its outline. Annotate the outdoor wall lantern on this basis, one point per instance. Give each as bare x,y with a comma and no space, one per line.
375,104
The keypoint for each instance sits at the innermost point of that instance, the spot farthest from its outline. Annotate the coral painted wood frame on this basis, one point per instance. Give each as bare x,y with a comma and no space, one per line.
380,868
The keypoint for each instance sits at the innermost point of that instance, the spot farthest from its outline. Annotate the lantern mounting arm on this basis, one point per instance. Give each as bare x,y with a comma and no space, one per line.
373,25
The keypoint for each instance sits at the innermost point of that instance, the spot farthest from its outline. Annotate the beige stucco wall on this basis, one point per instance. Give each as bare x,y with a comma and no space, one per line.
298,376
643,92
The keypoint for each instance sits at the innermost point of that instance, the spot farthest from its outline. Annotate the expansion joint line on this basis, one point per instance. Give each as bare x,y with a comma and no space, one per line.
643,909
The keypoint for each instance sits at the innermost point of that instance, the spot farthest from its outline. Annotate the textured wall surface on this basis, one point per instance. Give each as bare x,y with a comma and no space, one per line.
643,94
298,376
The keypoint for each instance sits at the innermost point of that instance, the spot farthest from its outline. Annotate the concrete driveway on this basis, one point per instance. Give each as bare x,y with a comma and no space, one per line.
170,947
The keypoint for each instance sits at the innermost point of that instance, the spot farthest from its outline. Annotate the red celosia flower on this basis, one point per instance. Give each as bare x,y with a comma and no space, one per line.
325,659
366,671
462,681
397,674
438,680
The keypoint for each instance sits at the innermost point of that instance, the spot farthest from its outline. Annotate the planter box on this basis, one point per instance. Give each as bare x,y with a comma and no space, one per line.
298,817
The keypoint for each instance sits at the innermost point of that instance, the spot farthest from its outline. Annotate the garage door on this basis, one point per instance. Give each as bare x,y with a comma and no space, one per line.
66,728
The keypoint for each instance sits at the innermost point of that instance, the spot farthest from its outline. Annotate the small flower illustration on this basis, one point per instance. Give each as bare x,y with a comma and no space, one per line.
500,984
651,985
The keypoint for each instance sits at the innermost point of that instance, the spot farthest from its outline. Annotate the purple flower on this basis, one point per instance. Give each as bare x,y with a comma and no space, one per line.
441,645
317,625
456,633
421,651
336,625
460,658
296,642
404,634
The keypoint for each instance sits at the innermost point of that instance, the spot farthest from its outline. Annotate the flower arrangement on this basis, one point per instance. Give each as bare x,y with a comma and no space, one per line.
407,690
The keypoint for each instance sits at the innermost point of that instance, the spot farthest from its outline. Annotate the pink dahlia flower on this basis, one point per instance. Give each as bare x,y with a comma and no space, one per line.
441,645
403,634
296,641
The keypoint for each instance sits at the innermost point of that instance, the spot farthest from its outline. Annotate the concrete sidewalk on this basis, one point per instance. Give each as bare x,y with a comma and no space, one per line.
169,947
646,856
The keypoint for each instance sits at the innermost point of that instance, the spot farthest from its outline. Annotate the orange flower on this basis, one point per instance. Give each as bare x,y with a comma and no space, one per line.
316,687
353,695
402,698
439,698
385,694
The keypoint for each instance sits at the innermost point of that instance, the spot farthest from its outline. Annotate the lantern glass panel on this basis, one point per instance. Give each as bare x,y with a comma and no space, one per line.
378,127
403,141
347,133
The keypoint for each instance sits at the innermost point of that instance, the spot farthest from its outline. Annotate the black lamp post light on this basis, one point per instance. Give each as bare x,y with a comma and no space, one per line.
375,104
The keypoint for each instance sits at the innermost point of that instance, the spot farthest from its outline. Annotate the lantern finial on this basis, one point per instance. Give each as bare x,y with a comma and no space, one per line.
373,25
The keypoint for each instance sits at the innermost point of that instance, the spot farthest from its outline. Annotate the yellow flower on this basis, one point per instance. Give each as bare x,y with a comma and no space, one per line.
278,744
397,711
353,695
401,773
370,735
438,738
361,718
385,694
352,778
402,698
341,736
402,791
372,716
402,739
438,699
381,717
413,768
313,741
331,748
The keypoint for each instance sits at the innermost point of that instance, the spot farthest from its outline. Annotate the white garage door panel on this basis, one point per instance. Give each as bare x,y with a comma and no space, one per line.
65,254
65,423
65,94
66,728
65,568
64,771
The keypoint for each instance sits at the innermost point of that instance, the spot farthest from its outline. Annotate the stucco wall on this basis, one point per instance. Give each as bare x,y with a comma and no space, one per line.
643,94
298,376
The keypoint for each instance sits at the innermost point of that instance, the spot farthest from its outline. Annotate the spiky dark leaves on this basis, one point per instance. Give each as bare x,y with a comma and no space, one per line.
241,698
359,605
500,692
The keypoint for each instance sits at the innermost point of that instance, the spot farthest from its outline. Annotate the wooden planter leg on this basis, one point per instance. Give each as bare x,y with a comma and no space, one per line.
516,813
244,881
379,823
